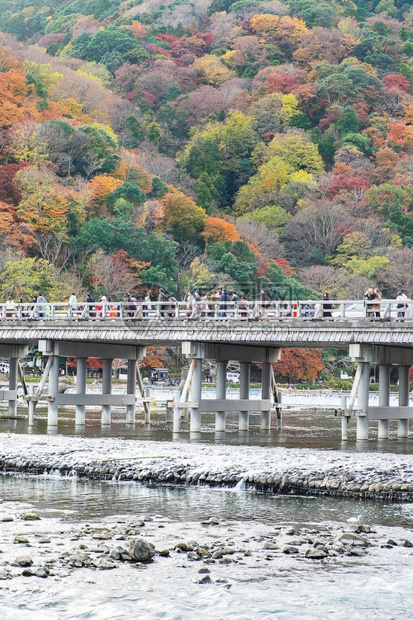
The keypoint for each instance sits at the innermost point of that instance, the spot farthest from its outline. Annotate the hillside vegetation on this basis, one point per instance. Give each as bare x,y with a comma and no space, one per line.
206,143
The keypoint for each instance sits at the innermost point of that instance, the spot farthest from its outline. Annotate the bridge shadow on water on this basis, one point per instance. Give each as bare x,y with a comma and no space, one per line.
301,429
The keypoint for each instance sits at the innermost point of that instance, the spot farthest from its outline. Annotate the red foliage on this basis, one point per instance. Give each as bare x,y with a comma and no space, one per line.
151,99
395,80
8,191
346,183
299,365
285,266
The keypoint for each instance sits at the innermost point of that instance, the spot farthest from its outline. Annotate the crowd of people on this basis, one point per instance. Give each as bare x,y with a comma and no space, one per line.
218,302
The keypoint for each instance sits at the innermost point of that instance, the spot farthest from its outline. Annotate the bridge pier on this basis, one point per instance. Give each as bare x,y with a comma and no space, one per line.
266,395
244,394
383,413
384,399
53,407
403,425
221,394
131,389
80,389
82,350
106,389
196,396
221,406
14,352
12,406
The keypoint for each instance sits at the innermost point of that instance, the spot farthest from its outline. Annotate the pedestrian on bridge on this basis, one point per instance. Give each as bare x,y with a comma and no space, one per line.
327,306
41,305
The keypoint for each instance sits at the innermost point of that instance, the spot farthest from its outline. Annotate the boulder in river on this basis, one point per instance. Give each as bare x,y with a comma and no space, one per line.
23,560
29,516
141,551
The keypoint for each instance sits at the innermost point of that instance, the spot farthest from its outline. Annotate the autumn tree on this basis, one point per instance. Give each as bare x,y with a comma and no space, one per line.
217,229
182,216
299,365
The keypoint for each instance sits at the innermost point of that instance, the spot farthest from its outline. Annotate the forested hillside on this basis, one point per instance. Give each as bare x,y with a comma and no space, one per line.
204,144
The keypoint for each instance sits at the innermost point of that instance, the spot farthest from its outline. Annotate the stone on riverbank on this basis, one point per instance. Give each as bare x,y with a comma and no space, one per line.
141,551
29,516
23,560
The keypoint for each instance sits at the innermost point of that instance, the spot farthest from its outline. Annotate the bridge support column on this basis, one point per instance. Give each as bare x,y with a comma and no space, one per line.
13,362
221,394
81,390
384,399
131,389
266,395
244,393
195,397
363,402
106,389
403,426
53,408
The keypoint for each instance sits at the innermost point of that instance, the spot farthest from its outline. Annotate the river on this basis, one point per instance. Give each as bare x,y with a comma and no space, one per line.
254,580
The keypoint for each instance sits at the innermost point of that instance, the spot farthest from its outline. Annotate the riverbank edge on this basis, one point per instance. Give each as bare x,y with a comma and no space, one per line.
327,484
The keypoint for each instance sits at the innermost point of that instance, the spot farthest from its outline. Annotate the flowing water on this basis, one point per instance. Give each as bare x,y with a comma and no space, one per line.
377,585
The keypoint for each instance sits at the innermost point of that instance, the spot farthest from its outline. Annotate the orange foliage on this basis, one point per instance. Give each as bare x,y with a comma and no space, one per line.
299,365
137,29
13,94
155,357
101,186
217,229
401,135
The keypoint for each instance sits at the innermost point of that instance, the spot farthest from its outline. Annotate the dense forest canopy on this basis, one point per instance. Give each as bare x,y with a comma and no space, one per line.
206,143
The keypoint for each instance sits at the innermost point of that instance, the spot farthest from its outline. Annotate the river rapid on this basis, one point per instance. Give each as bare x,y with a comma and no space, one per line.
220,552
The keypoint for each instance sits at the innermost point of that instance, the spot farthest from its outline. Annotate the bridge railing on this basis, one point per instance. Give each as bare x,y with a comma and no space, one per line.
310,310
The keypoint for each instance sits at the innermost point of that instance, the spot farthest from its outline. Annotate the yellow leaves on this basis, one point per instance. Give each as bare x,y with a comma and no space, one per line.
26,145
212,70
297,150
45,203
229,58
265,23
270,178
43,74
106,128
272,27
289,107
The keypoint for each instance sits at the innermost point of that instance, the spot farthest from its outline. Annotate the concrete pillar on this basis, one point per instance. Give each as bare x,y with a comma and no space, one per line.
221,394
177,412
80,389
244,393
147,408
52,415
363,402
13,361
404,384
266,394
106,389
30,392
131,389
195,396
384,399
344,418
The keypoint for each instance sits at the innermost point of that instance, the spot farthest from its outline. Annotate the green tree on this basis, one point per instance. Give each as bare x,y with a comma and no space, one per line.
348,122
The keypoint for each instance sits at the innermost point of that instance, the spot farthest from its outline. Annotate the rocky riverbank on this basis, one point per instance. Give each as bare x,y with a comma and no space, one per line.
361,475
212,551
